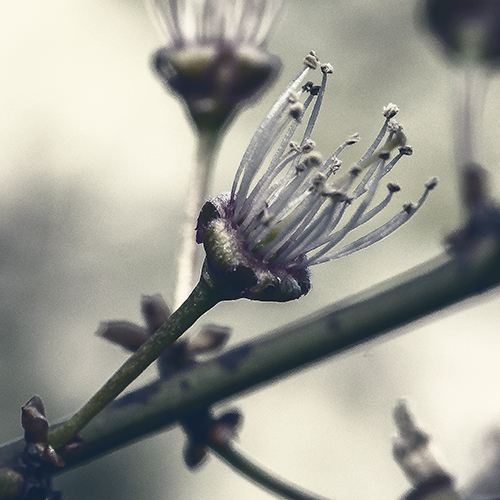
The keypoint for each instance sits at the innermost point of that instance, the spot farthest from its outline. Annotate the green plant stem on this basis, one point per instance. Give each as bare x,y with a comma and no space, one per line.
411,295
246,466
200,301
200,178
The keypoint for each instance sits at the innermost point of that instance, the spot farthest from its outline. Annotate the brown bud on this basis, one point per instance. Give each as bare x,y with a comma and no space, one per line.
34,421
124,333
155,311
211,338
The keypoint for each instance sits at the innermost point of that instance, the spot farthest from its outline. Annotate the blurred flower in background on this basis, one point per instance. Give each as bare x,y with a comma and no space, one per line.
468,29
216,57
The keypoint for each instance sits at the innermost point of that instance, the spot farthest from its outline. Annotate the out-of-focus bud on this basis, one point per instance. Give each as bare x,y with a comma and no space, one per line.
34,421
204,430
36,428
418,460
216,58
155,311
124,333
469,30
211,338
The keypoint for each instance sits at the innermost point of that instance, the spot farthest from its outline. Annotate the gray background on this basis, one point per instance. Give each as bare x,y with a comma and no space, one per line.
94,161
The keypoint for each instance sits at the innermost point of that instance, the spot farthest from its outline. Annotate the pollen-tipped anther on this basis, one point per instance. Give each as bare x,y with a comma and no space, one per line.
390,111
352,139
311,60
431,183
296,110
308,146
409,207
327,68
313,160
406,150
314,90
393,187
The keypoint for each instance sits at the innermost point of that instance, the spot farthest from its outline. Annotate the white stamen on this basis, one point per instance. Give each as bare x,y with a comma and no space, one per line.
294,211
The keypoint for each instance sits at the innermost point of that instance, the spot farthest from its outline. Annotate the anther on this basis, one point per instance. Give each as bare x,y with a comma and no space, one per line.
296,110
300,167
333,167
308,146
307,86
352,139
327,68
293,97
294,146
409,207
393,187
311,60
313,160
355,171
317,183
318,180
336,164
314,90
390,110
431,183
394,126
406,150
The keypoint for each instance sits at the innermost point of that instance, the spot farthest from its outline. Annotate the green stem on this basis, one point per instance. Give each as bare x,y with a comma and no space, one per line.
199,302
249,468
200,178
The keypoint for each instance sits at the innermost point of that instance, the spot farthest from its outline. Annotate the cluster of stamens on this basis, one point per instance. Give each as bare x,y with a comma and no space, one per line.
291,215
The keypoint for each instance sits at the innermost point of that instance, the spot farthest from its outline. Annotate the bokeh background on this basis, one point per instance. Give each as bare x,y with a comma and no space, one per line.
94,162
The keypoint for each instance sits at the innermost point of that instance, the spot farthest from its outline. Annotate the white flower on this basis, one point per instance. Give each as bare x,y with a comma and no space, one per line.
288,208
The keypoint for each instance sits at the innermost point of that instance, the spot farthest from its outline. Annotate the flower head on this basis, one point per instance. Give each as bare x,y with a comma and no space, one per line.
467,29
216,57
289,208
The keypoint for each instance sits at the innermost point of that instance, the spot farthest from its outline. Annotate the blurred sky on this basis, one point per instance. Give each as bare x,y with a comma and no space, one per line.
94,160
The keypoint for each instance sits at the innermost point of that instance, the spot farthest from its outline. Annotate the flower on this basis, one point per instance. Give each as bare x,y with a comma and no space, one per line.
467,29
216,57
273,226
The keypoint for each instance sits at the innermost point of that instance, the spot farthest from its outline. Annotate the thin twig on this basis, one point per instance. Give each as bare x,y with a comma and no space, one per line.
200,301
